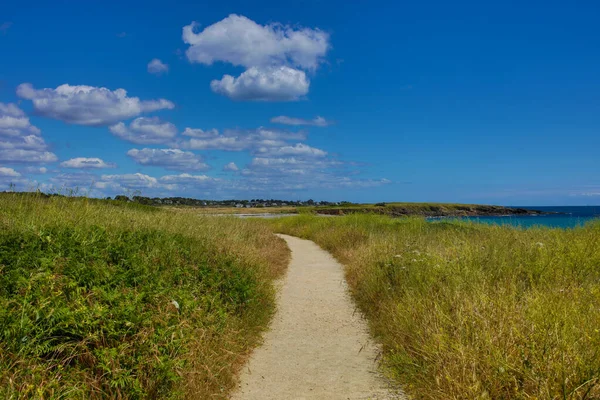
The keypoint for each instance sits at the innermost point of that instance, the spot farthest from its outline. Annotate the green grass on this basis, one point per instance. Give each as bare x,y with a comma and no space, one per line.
104,299
470,311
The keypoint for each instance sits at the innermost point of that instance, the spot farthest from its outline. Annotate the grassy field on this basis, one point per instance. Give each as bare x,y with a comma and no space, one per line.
469,311
390,209
103,299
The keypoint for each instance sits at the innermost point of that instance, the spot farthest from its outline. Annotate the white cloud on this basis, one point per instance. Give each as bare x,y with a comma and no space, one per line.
14,121
157,67
88,105
26,156
199,133
300,149
172,159
127,181
36,170
85,163
275,57
240,140
21,142
145,130
230,167
270,84
187,180
8,172
73,181
317,121
241,41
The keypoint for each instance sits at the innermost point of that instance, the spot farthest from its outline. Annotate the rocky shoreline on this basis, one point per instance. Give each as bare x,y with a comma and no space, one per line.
432,210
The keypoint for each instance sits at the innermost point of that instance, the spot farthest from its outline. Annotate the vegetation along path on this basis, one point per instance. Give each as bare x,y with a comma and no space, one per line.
318,346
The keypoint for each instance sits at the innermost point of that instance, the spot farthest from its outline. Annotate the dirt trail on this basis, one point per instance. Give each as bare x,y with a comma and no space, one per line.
318,346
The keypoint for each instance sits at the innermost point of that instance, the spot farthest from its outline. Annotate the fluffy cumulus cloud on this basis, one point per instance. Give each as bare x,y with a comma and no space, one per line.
231,167
240,41
86,163
20,141
88,105
240,140
271,84
317,121
8,173
172,159
144,130
157,67
14,121
275,57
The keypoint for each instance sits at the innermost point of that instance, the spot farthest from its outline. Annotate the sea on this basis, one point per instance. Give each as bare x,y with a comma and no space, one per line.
568,217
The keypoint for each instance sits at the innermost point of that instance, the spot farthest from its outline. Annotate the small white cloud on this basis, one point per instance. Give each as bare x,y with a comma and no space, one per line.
86,163
21,142
157,67
9,172
270,84
200,133
88,105
19,156
300,149
14,121
230,167
187,179
145,130
317,121
172,159
36,170
127,181
240,41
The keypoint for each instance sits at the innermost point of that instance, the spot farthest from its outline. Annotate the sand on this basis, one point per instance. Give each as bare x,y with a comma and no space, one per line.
318,346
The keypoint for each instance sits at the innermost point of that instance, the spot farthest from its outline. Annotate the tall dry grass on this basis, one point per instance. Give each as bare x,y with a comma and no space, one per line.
470,311
104,299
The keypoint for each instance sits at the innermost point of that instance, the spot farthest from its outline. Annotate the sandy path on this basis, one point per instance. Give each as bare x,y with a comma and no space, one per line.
318,346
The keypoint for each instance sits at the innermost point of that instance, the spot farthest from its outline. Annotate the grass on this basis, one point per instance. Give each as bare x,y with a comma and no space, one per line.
471,311
103,299
234,210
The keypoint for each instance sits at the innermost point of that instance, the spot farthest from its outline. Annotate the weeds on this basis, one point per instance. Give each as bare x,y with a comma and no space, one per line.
470,311
106,299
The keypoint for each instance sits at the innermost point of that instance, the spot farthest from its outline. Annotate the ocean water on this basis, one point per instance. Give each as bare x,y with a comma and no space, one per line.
569,217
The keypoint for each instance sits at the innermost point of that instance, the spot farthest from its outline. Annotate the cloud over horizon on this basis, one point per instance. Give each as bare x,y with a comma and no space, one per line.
172,159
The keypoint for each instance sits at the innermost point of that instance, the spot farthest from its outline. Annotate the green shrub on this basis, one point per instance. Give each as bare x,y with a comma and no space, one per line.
114,300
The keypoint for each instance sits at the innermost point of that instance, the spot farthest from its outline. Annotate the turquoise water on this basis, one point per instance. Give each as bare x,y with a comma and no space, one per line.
570,217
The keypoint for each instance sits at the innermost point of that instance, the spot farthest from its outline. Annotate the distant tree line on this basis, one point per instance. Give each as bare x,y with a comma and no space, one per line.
186,201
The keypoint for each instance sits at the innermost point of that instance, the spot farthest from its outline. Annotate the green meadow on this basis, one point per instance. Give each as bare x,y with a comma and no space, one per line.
104,299
472,311
109,299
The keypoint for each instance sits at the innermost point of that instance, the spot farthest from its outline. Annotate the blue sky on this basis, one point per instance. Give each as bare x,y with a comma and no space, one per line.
379,101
